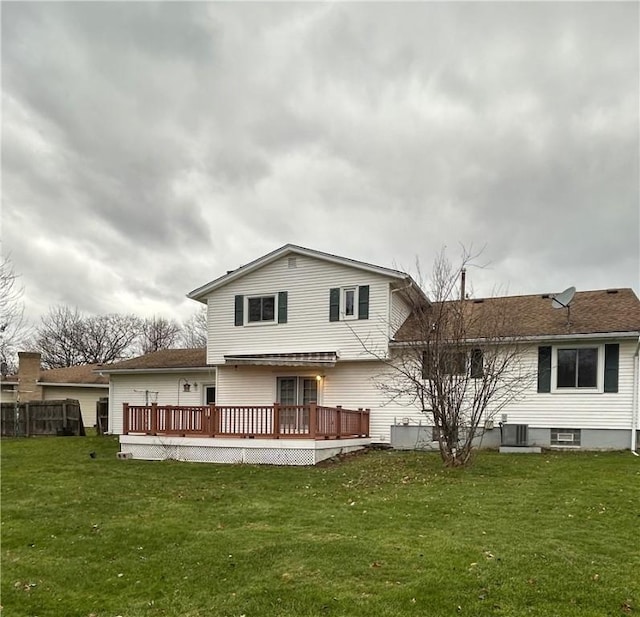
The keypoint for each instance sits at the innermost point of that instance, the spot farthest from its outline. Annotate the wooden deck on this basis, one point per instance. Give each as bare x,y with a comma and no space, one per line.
251,422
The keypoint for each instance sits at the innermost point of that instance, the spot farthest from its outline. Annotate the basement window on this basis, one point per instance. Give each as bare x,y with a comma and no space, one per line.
565,436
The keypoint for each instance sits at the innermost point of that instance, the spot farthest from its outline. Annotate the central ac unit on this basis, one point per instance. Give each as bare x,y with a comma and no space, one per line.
515,435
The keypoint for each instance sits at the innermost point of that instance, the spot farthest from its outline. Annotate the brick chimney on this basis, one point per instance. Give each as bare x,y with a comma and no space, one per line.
28,376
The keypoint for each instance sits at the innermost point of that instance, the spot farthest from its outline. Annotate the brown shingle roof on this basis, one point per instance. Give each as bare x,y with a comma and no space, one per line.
163,359
592,312
84,374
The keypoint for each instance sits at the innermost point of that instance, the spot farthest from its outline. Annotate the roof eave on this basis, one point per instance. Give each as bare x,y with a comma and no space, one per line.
200,292
182,369
49,384
534,338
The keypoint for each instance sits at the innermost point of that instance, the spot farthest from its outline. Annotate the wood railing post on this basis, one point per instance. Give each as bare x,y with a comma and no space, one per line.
360,422
212,424
125,418
154,418
366,422
276,421
338,421
313,420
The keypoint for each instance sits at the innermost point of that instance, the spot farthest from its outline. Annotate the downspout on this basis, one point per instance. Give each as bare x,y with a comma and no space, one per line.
635,412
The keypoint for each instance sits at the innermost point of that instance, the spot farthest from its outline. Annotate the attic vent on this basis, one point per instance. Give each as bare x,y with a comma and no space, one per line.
478,301
544,296
292,263
612,291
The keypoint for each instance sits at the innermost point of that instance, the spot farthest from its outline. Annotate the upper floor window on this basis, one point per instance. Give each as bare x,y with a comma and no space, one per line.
262,308
349,302
265,309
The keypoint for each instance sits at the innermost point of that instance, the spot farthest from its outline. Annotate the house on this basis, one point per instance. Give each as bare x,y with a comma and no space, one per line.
299,341
84,383
286,335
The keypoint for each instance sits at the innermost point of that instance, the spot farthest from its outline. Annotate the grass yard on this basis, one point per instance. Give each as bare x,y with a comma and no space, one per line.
381,534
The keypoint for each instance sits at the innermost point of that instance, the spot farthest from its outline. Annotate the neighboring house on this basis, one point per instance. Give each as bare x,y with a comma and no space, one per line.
296,342
83,383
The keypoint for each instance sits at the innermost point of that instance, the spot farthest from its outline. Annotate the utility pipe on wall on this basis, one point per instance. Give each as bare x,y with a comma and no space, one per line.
635,412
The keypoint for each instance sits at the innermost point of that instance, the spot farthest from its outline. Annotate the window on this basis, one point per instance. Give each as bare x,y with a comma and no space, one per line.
565,436
569,369
264,309
349,302
452,362
577,368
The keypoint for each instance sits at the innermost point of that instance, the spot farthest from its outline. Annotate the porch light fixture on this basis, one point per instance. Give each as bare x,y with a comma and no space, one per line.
186,386
319,377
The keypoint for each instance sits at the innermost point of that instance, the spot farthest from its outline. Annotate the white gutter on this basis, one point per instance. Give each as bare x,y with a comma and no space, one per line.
635,411
538,339
132,371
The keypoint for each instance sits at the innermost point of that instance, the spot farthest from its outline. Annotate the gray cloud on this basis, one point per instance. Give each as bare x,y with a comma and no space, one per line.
149,147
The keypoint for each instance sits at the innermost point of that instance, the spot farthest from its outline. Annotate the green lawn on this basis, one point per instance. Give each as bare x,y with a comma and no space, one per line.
385,533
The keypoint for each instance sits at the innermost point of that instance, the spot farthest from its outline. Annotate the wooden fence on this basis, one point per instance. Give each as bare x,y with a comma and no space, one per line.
62,417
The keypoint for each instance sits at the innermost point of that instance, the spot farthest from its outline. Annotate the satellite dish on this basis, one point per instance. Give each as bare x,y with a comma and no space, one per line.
563,300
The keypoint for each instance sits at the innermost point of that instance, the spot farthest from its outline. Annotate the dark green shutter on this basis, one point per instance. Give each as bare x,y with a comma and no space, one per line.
477,364
363,302
334,304
611,363
239,311
426,366
544,369
282,307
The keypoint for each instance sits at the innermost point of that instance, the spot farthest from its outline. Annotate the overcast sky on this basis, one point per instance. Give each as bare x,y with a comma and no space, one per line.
147,148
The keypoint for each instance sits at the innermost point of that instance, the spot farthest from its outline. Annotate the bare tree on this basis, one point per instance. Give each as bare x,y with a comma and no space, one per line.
194,330
65,337
460,360
107,338
13,327
158,333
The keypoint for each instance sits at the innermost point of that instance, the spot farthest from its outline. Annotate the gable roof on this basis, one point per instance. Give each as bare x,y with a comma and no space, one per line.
164,359
292,249
604,311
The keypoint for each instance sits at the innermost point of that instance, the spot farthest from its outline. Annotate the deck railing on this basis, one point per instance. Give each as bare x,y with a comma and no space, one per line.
266,421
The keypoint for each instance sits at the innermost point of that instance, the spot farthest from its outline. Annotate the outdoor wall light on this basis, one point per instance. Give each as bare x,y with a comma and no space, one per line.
319,377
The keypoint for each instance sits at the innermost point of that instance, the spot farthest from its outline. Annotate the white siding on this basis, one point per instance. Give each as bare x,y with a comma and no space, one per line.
161,388
400,310
308,328
350,384
575,409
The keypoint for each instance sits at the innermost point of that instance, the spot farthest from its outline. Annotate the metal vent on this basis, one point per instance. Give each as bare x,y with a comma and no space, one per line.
515,435
292,262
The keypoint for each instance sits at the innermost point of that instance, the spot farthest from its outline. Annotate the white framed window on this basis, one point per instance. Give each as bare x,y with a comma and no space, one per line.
349,303
261,309
578,368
